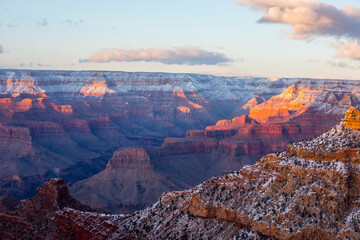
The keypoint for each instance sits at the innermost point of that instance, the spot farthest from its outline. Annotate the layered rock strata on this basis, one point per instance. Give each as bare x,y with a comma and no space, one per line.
68,124
128,183
288,195
35,218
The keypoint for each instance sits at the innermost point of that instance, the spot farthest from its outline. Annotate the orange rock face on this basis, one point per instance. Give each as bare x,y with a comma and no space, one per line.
352,118
281,106
253,102
234,123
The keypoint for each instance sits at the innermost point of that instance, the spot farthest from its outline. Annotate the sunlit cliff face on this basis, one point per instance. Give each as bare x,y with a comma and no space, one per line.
352,118
96,89
26,85
290,103
292,100
182,95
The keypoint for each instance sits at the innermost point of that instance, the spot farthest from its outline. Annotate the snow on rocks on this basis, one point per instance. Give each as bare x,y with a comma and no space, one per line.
339,137
283,196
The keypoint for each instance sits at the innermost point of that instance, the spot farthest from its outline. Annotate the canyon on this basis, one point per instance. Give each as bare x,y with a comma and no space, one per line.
309,191
147,133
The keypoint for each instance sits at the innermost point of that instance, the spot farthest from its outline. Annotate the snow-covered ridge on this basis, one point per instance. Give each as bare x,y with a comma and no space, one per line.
206,86
338,137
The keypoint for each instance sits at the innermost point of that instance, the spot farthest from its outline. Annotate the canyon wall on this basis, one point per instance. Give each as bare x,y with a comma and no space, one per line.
69,124
286,195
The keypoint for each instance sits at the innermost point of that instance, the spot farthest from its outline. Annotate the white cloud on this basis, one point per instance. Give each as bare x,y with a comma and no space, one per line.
173,55
1,49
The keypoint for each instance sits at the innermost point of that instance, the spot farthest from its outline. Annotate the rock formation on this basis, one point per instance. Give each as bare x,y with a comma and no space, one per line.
253,102
352,118
287,195
135,177
35,218
310,191
227,146
68,124
128,183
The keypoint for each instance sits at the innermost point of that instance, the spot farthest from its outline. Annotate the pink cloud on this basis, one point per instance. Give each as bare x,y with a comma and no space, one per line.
309,18
340,64
173,55
349,50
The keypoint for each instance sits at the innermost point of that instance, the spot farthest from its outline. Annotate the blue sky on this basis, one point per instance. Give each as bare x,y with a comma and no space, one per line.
200,36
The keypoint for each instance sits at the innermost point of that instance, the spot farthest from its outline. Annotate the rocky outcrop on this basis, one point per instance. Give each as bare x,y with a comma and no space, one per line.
71,225
261,139
234,123
253,102
74,125
178,146
24,84
132,158
55,194
96,89
15,134
291,100
128,183
352,118
35,218
216,134
42,130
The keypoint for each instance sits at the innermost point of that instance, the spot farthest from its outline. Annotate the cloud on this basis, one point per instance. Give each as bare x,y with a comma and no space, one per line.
313,61
309,18
1,49
350,50
9,25
173,55
31,64
44,65
72,22
43,22
340,64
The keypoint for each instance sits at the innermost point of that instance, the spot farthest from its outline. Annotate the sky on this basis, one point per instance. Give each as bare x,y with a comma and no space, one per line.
262,38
